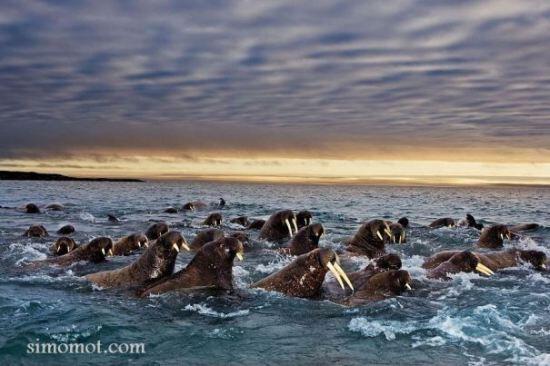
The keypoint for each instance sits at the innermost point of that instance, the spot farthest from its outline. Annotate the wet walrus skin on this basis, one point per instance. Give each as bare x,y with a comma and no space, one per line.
369,239
381,286
305,275
63,245
158,261
32,208
95,251
193,206
205,236
36,231
493,237
303,218
155,231
241,220
211,267
256,225
306,240
465,261
66,230
129,244
443,222
279,226
398,235
214,219
495,260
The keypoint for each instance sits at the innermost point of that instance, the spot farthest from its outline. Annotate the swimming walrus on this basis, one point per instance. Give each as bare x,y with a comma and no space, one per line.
112,218
495,260
36,231
95,251
155,231
129,244
212,267
381,286
464,261
205,236
241,220
304,276
55,207
157,262
303,218
63,245
443,222
66,230
470,221
221,203
171,210
194,206
397,233
369,239
403,222
306,240
32,208
280,225
332,290
493,237
214,219
256,224
524,227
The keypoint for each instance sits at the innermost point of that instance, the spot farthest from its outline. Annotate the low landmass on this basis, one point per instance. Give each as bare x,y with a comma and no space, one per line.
11,175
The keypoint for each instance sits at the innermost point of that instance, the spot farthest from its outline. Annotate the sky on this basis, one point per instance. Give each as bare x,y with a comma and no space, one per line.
278,90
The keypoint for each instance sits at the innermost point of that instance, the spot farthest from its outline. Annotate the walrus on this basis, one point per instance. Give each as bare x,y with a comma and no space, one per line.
222,203
156,230
241,220
129,244
211,267
214,219
32,208
359,278
524,227
464,261
495,260
66,230
171,210
397,233
381,286
306,240
471,222
303,218
112,218
55,207
256,225
280,225
36,231
63,245
95,251
305,275
194,206
205,236
403,222
157,262
369,239
443,222
493,237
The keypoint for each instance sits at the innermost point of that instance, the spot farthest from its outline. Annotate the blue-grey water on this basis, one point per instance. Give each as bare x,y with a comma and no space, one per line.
504,319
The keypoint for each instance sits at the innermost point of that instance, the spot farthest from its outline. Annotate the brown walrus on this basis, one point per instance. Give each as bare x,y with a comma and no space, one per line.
332,290
55,207
303,218
369,239
211,267
443,222
194,206
95,251
32,208
157,262
205,236
66,230
256,225
493,237
36,231
280,225
403,222
495,260
171,210
398,235
241,220
63,245
381,286
470,221
129,244
464,261
305,275
155,231
524,227
214,219
306,240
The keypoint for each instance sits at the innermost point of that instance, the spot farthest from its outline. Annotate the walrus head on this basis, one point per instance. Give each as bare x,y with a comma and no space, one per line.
370,237
305,275
214,219
397,233
66,230
535,257
156,230
63,245
388,262
446,221
173,241
97,249
36,231
241,220
389,283
138,241
280,225
32,208
493,237
472,222
306,240
242,237
467,261
404,222
303,218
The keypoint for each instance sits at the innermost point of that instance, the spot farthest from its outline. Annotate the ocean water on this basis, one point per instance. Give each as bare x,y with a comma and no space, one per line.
504,319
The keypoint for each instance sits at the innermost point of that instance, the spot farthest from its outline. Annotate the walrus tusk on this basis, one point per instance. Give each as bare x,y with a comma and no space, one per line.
294,224
240,256
408,287
400,239
58,248
336,274
379,235
388,232
501,236
146,245
103,251
543,266
185,246
288,227
509,236
110,252
175,247
308,221
344,275
484,269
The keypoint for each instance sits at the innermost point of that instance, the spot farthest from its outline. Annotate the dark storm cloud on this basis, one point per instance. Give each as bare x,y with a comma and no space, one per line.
182,77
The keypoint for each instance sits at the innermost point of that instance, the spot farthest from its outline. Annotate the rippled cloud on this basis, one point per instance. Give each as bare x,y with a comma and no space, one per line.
188,79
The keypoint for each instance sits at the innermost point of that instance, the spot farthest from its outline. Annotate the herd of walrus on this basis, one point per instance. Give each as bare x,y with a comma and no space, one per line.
153,272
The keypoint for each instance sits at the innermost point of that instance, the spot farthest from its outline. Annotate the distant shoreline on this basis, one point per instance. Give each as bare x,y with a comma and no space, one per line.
15,175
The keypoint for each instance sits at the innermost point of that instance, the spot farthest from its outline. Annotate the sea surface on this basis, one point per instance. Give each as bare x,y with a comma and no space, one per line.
504,319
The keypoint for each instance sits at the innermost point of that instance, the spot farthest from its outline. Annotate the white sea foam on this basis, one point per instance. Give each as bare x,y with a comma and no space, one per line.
274,265
86,216
205,310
